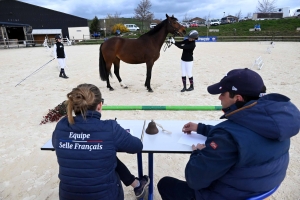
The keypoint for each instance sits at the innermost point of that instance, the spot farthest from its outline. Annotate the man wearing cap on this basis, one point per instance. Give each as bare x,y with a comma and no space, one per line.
245,155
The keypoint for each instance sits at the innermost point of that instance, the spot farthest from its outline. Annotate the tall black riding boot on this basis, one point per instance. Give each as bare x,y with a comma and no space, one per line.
184,83
62,74
191,84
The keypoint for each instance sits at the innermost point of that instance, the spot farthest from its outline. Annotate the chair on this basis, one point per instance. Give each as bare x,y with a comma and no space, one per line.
264,196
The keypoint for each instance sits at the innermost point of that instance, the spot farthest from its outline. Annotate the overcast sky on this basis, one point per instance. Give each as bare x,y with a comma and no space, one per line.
179,8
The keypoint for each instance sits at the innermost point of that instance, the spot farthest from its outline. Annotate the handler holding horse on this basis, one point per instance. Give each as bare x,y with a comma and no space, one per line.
145,49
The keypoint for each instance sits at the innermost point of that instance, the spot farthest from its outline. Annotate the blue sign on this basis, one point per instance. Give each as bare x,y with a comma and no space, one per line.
205,39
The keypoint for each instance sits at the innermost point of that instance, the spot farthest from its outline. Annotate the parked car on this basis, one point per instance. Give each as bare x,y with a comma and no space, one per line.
96,34
297,12
215,22
194,25
132,27
227,20
152,25
186,25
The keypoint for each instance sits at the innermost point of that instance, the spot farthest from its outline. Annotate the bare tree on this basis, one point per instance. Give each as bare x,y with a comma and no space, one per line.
186,18
207,20
111,20
249,15
142,12
266,6
238,15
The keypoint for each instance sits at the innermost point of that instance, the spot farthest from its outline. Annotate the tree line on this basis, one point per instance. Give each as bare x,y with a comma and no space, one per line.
143,14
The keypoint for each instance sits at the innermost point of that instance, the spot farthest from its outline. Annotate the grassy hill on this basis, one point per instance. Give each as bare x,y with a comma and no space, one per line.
282,27
234,32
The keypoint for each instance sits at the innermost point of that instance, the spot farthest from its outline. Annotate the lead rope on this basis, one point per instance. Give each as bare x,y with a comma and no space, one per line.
168,44
163,130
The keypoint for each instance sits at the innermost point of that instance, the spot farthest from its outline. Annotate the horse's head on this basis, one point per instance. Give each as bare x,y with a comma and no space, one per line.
174,27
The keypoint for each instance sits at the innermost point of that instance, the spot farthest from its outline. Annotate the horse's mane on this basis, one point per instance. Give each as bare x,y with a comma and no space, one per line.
158,27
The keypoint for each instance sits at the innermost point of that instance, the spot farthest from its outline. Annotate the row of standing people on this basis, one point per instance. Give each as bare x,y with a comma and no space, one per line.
245,155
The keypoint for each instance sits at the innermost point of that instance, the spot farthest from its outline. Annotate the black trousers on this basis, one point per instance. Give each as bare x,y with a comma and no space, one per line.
173,189
126,177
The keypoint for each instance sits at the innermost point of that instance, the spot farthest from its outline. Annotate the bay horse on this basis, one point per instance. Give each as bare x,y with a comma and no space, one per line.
145,49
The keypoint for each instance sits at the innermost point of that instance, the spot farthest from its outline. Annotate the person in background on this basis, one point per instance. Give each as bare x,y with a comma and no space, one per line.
118,32
257,27
60,55
86,149
188,45
245,155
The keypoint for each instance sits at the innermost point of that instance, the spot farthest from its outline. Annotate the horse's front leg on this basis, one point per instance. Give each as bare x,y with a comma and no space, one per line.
148,77
117,73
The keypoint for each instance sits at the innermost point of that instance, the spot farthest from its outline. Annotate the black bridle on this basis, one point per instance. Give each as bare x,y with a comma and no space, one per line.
175,30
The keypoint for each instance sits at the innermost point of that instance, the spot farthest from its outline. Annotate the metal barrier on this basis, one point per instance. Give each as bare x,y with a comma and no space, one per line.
257,38
15,43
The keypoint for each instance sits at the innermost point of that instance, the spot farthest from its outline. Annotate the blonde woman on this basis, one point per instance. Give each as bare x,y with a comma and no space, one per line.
86,149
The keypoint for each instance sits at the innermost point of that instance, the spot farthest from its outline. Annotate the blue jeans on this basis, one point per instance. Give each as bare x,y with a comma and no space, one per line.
173,189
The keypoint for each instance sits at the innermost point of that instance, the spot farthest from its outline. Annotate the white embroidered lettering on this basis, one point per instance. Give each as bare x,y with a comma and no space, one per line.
79,135
66,145
89,147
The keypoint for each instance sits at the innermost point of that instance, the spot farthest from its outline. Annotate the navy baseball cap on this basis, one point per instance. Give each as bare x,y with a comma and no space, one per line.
242,81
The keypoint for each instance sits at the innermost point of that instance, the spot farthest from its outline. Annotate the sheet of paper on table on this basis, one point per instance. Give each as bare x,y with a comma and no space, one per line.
193,138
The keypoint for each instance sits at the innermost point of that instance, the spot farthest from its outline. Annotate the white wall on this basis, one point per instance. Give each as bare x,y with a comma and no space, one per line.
285,11
78,32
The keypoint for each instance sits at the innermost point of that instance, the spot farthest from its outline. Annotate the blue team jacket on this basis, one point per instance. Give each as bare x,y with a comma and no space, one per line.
86,154
247,154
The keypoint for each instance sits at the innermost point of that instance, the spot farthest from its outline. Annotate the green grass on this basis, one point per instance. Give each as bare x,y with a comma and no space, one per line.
281,27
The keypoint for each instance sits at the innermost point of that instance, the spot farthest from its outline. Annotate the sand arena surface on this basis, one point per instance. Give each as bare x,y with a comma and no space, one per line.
29,173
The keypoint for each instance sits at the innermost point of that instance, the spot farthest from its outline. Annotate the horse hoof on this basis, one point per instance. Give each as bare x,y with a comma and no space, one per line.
111,89
125,87
150,90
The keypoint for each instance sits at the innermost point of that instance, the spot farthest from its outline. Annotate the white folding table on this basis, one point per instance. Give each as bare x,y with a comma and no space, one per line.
162,142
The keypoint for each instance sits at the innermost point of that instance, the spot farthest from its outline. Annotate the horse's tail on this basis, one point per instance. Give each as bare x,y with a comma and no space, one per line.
102,66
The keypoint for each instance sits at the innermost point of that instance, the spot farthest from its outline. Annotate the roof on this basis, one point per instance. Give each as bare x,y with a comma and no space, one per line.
197,19
12,24
45,31
20,4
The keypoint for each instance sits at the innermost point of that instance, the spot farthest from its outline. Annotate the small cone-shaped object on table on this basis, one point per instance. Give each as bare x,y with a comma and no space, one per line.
152,129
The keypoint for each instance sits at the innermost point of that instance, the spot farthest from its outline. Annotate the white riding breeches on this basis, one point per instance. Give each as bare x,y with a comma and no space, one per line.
61,62
186,68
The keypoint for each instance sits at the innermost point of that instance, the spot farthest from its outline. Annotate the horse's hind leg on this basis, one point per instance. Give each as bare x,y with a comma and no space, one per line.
108,67
108,84
117,72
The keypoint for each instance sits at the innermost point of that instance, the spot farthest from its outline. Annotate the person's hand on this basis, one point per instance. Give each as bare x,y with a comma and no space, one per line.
199,146
189,127
172,40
